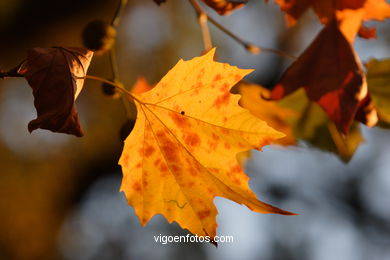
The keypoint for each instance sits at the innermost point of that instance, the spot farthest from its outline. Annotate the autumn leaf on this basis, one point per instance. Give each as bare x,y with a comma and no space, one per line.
314,127
327,10
55,75
182,151
331,75
378,78
253,99
300,119
351,20
351,14
224,7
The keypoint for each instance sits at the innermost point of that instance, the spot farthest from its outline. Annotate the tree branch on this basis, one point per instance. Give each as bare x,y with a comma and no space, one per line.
251,48
202,20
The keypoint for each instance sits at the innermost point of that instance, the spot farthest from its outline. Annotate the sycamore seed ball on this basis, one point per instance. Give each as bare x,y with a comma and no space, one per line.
99,36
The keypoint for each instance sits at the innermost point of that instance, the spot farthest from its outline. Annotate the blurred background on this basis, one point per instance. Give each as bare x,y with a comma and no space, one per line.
59,194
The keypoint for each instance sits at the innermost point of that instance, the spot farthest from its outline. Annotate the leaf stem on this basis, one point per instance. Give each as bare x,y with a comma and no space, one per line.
114,84
251,48
114,63
12,73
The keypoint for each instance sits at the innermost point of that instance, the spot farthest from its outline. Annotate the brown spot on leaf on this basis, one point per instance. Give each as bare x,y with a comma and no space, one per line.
235,169
222,100
157,162
163,170
125,160
217,77
237,181
204,214
149,150
179,120
168,148
225,131
224,87
192,139
137,186
176,169
193,172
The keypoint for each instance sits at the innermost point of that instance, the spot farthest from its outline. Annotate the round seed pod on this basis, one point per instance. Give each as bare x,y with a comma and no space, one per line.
110,91
99,36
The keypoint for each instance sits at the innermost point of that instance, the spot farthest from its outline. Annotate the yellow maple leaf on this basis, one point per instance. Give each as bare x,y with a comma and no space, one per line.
182,151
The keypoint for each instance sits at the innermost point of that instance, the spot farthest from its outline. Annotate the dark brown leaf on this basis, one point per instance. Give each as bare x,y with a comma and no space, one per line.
54,75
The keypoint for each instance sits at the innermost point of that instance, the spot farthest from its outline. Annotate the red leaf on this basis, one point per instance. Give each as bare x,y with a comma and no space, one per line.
53,74
331,75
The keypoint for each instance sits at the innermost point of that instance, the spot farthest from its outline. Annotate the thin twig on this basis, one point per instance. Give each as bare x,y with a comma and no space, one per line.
112,55
115,74
114,64
202,20
114,84
252,48
10,74
118,13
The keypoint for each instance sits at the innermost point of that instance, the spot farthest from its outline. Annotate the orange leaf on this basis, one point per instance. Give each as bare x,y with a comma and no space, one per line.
325,9
331,74
352,12
55,75
182,151
224,7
